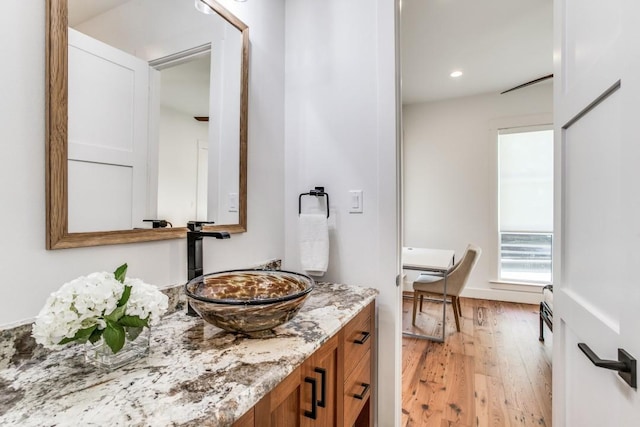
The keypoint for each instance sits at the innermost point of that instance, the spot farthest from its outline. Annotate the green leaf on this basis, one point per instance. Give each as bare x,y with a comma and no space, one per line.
125,296
120,273
114,336
133,321
81,336
95,335
132,333
116,314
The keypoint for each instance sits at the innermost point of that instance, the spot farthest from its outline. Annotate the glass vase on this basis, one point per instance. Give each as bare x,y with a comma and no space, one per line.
136,346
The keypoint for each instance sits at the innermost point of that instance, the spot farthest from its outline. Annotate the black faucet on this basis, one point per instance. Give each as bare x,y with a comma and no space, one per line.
194,250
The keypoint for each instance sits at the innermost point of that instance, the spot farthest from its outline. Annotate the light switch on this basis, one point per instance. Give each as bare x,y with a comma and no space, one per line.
233,202
355,205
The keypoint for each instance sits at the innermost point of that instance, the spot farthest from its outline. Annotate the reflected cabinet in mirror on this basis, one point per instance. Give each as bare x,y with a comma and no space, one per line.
146,118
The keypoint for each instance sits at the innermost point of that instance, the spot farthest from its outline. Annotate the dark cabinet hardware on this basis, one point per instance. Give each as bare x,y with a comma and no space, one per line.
317,192
625,365
313,413
365,389
323,387
365,337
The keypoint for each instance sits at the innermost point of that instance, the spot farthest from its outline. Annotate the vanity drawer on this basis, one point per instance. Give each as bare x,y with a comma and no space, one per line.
357,339
357,389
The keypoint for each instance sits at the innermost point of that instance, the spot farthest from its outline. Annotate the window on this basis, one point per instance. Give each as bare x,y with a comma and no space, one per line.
525,199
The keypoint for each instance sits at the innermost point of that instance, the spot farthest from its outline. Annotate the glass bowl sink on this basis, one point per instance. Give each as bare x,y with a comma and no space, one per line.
248,301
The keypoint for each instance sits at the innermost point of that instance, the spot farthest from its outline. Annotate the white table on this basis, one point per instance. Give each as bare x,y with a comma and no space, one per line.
431,260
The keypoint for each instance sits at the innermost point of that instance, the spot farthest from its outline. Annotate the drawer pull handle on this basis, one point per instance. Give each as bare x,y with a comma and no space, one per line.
323,386
365,337
365,389
314,399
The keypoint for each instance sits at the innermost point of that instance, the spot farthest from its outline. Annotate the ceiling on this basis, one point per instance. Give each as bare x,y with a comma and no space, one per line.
82,10
497,44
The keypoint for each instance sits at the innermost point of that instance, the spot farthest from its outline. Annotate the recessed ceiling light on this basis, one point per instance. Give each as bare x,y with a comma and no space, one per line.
456,73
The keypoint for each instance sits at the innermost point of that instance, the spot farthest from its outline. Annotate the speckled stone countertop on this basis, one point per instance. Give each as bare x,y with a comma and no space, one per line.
195,374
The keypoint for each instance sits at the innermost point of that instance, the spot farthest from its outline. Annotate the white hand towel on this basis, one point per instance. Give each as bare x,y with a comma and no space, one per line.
314,243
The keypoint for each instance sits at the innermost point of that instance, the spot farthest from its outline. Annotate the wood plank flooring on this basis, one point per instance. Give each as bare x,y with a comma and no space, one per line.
494,372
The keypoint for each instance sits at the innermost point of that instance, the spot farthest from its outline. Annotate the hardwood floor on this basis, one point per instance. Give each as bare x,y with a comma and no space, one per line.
494,372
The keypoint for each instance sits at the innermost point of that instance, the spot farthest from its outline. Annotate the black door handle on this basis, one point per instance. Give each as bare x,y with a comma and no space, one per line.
314,399
323,386
625,365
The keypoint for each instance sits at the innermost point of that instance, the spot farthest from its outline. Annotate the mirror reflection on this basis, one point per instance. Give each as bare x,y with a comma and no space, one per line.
154,93
183,163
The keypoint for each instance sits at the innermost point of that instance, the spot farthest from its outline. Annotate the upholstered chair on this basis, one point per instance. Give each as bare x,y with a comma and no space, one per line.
457,276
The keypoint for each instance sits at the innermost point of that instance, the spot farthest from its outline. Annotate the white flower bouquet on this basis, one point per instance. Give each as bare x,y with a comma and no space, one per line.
105,306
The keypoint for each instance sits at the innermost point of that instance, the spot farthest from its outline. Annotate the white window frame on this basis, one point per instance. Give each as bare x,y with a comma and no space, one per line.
498,133
531,121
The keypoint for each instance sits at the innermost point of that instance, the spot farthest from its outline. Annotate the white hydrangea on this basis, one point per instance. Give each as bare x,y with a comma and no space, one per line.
145,300
85,301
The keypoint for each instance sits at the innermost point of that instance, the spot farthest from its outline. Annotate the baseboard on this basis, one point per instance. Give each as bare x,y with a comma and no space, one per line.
495,295
502,295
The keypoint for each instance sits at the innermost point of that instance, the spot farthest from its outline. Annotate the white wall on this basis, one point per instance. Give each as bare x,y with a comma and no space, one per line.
177,165
450,175
341,134
28,272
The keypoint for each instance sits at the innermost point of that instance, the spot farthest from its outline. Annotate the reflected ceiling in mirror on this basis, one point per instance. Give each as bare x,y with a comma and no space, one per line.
174,150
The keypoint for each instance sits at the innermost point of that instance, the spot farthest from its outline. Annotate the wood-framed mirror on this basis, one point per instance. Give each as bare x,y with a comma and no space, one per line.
82,212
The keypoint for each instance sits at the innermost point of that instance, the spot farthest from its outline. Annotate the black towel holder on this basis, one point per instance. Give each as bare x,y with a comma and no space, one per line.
317,192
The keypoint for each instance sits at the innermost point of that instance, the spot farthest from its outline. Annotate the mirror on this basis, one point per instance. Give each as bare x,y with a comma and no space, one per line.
128,143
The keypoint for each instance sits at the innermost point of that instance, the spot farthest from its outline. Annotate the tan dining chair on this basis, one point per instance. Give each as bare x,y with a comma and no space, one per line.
429,285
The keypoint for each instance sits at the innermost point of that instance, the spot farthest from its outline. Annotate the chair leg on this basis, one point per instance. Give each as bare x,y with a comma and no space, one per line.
421,300
415,307
459,307
454,305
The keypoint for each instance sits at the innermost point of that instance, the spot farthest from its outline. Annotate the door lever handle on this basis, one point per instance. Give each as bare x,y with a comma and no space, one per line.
625,365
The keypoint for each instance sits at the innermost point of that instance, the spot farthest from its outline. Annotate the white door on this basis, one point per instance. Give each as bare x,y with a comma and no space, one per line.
107,158
597,284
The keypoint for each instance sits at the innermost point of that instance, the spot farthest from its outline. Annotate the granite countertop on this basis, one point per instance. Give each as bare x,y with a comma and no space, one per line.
195,374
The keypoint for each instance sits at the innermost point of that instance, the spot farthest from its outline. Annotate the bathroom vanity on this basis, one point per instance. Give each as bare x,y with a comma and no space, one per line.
316,369
331,388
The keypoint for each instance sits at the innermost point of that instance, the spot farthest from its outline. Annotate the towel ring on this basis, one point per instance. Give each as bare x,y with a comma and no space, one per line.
317,192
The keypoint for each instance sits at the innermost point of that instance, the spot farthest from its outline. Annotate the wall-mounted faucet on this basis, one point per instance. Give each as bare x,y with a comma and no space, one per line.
194,250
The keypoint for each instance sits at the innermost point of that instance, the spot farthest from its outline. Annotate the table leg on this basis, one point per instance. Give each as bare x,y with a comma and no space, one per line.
417,297
444,307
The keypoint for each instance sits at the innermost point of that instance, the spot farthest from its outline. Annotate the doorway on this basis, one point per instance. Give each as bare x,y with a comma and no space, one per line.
465,69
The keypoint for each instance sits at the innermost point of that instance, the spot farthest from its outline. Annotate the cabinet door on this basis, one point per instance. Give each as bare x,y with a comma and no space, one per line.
281,407
319,384
247,420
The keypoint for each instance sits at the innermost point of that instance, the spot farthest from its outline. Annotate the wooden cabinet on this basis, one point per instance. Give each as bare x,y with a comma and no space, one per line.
247,420
320,386
308,396
281,407
333,387
357,344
